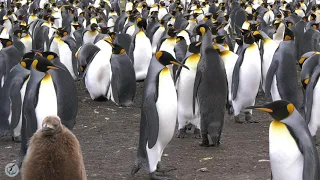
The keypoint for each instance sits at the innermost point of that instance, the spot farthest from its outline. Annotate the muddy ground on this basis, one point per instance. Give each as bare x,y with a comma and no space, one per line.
109,137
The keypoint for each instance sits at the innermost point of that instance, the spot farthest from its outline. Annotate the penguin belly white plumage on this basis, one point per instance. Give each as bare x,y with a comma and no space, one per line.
54,45
111,24
270,48
185,85
97,78
162,12
4,33
66,57
185,35
150,3
167,113
249,80
142,55
17,130
47,100
27,42
130,30
229,59
168,45
89,37
315,113
285,157
156,37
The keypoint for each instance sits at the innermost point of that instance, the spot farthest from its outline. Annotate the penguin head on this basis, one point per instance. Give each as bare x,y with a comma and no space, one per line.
219,39
172,32
42,64
94,27
180,38
202,29
288,35
61,32
279,110
315,26
27,60
248,37
117,49
141,23
313,16
6,42
18,33
195,47
166,58
49,55
51,125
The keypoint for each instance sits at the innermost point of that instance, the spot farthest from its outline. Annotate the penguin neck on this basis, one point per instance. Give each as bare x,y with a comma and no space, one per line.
206,40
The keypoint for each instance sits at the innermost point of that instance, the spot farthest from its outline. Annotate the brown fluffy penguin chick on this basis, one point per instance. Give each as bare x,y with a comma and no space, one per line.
54,154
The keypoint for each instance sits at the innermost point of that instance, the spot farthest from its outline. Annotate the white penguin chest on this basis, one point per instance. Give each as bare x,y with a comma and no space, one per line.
66,57
27,41
166,105
251,66
315,112
156,37
285,157
168,45
47,100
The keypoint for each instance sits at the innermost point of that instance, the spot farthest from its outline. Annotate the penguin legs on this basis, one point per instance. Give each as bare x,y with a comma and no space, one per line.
182,133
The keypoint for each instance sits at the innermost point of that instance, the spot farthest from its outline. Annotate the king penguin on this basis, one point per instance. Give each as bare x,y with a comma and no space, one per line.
123,82
47,93
292,152
12,97
90,34
185,83
246,77
140,51
210,89
158,114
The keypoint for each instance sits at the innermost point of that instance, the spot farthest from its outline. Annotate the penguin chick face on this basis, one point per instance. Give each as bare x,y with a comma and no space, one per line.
279,110
51,125
166,58
42,64
117,49
202,29
195,47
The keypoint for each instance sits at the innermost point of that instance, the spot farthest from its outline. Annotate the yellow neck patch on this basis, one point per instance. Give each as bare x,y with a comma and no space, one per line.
47,78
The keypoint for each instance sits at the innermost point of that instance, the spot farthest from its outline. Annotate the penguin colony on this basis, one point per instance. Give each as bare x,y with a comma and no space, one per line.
197,59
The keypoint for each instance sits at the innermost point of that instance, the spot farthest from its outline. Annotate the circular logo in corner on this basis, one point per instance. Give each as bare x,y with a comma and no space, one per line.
11,170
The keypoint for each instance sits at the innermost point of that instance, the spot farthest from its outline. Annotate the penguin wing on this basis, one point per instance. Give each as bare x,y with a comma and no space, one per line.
131,48
235,74
114,81
124,40
300,132
179,69
270,74
16,101
309,93
197,81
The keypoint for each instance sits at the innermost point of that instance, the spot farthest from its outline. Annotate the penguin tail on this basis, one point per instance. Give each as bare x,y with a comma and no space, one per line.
136,167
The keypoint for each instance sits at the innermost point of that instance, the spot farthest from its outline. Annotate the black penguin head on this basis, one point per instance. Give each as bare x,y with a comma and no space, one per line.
180,38
288,35
313,17
219,39
42,64
49,55
254,26
279,110
195,47
248,38
6,42
112,35
117,49
166,58
18,33
51,125
315,25
141,23
172,32
27,60
61,32
202,29
94,27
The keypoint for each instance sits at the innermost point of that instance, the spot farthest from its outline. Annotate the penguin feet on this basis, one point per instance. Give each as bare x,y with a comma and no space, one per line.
230,110
237,120
100,99
16,139
205,141
182,133
248,118
196,133
155,176
164,169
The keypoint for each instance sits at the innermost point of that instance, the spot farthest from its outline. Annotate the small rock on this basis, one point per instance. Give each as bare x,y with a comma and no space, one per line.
203,169
8,147
165,155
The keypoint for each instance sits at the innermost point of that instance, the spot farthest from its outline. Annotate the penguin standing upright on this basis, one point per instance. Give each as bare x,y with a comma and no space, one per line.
210,89
11,97
185,83
158,114
140,51
123,82
90,34
282,80
246,77
292,153
47,93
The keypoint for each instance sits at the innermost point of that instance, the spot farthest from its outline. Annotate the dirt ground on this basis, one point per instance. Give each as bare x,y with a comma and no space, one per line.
109,137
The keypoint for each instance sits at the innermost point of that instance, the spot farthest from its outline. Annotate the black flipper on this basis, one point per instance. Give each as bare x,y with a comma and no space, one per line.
114,84
195,89
235,74
270,74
